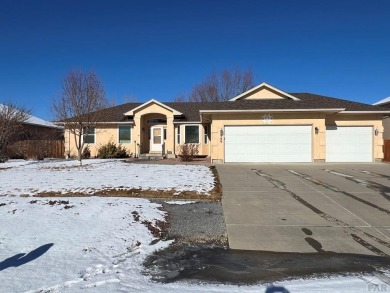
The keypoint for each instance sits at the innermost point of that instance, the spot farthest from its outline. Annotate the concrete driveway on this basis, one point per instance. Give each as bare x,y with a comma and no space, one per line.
342,208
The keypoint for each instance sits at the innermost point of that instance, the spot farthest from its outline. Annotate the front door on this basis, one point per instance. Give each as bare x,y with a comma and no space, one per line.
156,138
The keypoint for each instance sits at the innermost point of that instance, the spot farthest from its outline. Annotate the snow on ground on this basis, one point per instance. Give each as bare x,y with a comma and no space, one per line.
98,245
14,163
63,177
180,202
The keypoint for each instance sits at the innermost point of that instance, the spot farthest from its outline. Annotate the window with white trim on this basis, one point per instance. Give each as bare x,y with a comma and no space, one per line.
178,135
89,134
124,133
191,134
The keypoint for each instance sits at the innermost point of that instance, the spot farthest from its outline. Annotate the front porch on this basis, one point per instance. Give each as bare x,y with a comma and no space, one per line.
158,130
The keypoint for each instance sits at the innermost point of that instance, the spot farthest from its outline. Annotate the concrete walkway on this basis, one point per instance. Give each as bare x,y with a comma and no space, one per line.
304,208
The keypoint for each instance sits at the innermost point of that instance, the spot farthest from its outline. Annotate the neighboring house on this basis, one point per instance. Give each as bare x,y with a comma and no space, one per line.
37,128
39,139
264,124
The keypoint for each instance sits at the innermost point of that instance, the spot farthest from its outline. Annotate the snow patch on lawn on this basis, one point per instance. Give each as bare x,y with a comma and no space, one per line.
68,177
180,202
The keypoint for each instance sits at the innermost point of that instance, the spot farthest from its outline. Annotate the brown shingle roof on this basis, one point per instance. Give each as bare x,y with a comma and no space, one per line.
191,110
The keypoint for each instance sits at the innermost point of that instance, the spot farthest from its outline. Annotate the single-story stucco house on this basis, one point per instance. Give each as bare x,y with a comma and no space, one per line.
264,124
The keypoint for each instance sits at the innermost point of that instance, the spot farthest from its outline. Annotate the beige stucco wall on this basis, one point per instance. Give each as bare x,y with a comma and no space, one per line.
320,120
263,93
386,128
103,135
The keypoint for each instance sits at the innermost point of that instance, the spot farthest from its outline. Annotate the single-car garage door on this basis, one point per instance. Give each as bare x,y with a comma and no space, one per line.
349,144
268,144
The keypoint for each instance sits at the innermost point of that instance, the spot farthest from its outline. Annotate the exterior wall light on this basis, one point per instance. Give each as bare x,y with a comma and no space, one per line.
221,132
376,131
316,130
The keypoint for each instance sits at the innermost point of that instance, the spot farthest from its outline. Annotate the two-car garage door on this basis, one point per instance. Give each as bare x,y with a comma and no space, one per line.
293,143
268,143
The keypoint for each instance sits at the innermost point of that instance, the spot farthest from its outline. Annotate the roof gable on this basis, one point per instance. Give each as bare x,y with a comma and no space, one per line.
264,91
152,101
381,102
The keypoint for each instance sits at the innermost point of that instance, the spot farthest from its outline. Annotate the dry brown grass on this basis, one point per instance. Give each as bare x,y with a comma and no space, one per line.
135,192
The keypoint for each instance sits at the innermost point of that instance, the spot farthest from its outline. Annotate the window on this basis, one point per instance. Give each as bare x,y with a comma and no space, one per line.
178,135
89,134
157,120
124,134
192,134
206,133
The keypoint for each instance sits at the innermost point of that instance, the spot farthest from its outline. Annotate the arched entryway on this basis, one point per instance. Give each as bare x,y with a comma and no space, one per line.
153,133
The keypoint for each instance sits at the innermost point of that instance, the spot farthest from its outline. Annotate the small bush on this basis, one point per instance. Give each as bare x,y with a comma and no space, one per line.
112,151
86,154
187,152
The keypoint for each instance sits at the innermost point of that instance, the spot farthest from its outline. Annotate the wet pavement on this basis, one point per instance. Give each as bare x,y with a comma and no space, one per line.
217,264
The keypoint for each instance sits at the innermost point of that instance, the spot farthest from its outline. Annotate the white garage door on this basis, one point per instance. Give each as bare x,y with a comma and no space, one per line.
349,144
268,144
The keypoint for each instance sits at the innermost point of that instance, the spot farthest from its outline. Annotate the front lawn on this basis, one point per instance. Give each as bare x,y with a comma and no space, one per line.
106,178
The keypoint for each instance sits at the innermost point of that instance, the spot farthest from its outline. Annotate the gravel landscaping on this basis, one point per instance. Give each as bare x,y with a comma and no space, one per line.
196,222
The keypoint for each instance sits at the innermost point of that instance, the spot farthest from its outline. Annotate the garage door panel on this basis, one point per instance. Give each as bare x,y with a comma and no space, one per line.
268,144
349,144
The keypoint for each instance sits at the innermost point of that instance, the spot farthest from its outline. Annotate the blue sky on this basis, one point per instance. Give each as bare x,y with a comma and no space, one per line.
159,49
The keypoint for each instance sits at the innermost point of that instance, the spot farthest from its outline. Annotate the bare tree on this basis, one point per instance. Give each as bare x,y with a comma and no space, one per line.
12,118
180,98
222,86
79,105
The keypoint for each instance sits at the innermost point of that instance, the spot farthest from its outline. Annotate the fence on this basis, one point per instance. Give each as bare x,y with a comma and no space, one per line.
386,150
40,148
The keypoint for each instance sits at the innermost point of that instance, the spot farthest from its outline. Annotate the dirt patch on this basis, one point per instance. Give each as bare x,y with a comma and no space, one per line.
57,202
216,193
176,161
136,216
158,230
142,193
